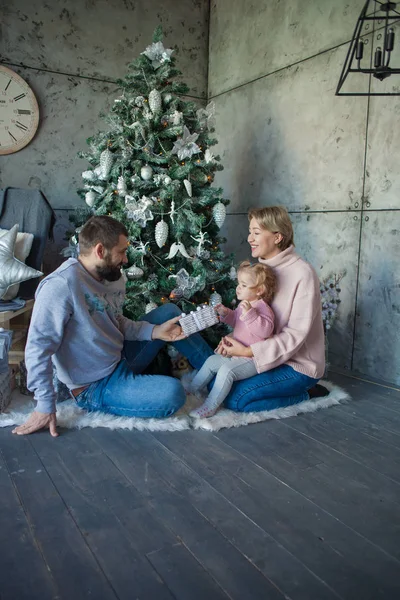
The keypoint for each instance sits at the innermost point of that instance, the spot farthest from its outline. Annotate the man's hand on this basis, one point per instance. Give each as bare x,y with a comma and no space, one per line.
37,421
168,331
246,306
221,310
228,346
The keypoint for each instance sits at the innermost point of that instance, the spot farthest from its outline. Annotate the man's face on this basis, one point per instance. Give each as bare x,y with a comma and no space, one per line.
110,267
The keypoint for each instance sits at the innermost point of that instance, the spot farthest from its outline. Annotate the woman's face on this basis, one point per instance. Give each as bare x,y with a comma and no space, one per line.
263,243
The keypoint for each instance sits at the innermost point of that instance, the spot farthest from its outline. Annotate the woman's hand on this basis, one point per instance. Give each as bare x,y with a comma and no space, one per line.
228,346
222,310
168,331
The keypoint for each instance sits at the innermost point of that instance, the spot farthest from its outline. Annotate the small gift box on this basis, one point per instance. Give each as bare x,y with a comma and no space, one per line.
197,320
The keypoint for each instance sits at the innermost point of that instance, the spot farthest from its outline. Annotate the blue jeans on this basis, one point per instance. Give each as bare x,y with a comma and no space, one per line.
128,393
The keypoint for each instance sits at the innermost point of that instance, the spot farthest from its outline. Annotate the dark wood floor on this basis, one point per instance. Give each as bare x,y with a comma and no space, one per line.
303,508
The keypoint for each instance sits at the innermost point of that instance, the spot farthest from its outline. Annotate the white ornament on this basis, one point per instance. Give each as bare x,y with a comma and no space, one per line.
208,156
121,186
88,175
219,214
106,161
167,180
172,211
155,101
135,180
200,241
90,198
232,273
215,299
176,118
185,146
178,247
97,171
167,98
158,54
134,272
150,306
161,234
188,187
139,100
146,172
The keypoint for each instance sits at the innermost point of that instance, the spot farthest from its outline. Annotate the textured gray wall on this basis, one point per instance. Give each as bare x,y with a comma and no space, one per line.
285,138
70,52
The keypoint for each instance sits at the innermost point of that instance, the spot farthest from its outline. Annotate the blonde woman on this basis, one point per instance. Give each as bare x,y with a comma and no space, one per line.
291,361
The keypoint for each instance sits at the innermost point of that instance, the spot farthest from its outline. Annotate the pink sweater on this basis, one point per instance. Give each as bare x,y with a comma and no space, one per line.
299,336
254,326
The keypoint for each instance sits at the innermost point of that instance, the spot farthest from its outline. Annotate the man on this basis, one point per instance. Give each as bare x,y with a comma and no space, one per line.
77,323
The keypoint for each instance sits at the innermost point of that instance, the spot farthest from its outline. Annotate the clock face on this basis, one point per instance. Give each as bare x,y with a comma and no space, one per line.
19,112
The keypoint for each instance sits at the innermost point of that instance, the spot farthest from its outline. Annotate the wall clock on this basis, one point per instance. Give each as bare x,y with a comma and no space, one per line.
19,112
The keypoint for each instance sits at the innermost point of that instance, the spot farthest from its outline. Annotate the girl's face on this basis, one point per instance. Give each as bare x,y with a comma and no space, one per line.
263,243
246,288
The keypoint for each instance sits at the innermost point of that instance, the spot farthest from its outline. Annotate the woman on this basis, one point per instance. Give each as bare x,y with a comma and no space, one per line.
290,362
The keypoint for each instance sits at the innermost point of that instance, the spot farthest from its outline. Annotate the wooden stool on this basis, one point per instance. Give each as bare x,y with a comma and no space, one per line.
18,321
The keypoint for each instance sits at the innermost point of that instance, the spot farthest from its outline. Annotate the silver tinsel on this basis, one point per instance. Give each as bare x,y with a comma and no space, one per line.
161,234
106,162
121,186
219,214
90,198
215,299
155,101
134,272
185,146
150,306
146,172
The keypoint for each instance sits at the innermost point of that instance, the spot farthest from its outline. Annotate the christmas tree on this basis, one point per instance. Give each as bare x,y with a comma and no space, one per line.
152,169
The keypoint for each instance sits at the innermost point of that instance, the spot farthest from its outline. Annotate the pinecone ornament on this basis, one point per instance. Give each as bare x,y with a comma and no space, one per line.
106,162
161,234
215,299
188,187
219,214
155,101
90,198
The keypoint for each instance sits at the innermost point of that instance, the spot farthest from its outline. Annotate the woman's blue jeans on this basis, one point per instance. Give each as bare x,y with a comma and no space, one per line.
128,393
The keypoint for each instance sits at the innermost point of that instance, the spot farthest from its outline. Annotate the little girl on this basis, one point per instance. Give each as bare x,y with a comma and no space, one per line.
253,321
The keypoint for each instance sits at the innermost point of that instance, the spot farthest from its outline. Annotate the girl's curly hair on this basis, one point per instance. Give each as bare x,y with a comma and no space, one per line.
263,276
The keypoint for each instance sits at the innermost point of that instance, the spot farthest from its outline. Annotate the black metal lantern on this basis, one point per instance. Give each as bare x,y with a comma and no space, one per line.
382,16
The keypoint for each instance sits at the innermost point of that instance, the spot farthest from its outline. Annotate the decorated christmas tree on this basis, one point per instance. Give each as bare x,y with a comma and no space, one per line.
152,169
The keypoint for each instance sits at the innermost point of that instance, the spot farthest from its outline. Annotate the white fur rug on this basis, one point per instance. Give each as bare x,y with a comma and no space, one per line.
70,416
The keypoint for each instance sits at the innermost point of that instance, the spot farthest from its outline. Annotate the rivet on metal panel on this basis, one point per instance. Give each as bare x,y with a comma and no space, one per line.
355,217
356,205
368,204
367,218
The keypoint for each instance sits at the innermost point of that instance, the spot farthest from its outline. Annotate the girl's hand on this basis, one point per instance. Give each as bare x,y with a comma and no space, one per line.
246,306
222,310
231,347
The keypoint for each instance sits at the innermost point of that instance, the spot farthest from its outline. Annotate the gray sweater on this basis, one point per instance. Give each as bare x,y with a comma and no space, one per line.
77,324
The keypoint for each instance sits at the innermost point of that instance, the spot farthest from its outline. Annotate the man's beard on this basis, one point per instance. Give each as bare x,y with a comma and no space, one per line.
109,272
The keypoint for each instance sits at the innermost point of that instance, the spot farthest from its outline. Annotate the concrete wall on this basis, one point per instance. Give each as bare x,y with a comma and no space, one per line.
71,52
333,162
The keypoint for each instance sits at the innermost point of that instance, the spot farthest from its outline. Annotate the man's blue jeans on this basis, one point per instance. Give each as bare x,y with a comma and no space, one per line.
128,393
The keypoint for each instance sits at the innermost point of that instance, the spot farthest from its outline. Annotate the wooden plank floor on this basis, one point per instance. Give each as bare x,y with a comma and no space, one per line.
303,508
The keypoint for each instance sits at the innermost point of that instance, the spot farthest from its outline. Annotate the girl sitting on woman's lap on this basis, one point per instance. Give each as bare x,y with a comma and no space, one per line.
252,321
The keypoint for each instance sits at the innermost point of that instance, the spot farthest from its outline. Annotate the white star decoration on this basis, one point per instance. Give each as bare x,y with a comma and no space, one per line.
12,270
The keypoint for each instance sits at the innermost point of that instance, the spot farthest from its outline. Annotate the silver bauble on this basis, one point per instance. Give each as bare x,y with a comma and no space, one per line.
90,198
215,299
150,306
219,214
167,98
155,101
176,294
161,234
134,272
167,180
146,172
106,161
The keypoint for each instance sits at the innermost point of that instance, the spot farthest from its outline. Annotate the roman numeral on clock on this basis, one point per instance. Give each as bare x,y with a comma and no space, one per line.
15,139
21,111
21,126
19,97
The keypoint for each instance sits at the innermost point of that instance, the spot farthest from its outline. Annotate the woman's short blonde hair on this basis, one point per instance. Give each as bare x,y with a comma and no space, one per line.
276,220
263,276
